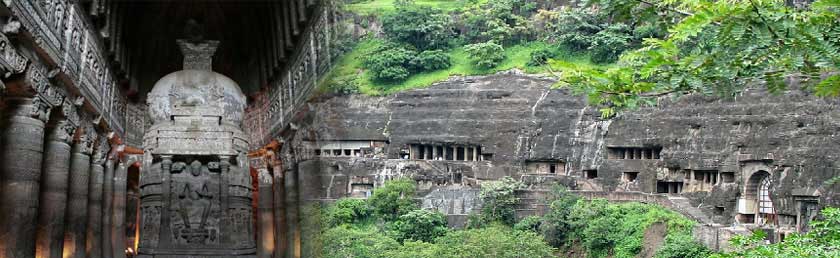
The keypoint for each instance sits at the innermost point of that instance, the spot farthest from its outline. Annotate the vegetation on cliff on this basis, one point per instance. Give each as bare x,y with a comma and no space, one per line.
619,53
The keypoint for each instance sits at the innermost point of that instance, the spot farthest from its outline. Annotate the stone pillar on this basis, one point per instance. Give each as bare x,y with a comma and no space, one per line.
292,213
118,211
280,228
76,217
20,170
434,152
93,235
475,153
107,206
54,177
265,215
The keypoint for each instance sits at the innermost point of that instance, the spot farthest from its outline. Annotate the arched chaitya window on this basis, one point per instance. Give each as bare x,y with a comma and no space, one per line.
766,213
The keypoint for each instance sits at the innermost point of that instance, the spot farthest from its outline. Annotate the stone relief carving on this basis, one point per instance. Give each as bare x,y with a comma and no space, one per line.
195,199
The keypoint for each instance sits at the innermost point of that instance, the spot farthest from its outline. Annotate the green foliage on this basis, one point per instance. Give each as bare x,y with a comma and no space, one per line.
347,211
530,223
390,62
822,241
393,199
541,56
615,230
486,55
609,43
346,241
423,27
499,200
494,241
503,21
556,222
720,47
420,225
682,246
431,60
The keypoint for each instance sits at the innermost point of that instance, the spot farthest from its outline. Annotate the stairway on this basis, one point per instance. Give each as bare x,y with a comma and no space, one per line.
684,207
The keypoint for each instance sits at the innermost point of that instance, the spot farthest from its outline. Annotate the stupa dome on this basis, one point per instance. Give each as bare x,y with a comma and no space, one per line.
201,89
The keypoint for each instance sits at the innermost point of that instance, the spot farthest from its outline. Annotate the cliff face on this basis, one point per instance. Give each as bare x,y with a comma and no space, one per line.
703,155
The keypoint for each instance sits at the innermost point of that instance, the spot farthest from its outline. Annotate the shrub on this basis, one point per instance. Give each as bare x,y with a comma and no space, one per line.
393,199
422,27
431,60
682,246
346,241
609,43
556,224
389,63
499,200
576,27
541,56
486,55
494,241
347,211
420,225
530,223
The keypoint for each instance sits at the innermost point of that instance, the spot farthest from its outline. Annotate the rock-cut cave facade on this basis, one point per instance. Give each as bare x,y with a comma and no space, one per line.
199,133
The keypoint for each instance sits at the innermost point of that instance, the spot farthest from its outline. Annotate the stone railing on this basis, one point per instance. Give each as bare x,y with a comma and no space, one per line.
73,53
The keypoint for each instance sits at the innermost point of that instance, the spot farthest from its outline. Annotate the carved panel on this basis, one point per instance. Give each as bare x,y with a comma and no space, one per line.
10,60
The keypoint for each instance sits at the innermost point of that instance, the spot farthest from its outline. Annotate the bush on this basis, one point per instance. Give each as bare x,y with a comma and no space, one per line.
347,211
420,225
346,241
431,60
499,200
556,224
609,43
503,21
494,241
393,199
530,223
486,55
682,246
540,56
576,27
422,27
389,63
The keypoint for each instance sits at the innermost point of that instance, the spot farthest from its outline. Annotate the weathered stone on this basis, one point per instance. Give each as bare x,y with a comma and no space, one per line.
54,186
199,200
93,235
20,170
76,217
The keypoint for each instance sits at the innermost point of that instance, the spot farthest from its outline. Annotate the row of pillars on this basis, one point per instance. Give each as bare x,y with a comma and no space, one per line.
278,212
59,193
444,152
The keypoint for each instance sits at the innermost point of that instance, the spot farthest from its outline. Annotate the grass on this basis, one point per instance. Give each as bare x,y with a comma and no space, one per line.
350,67
382,6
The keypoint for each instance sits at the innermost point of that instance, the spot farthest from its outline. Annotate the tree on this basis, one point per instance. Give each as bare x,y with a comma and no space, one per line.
390,62
393,199
499,200
486,55
420,225
347,211
720,47
423,27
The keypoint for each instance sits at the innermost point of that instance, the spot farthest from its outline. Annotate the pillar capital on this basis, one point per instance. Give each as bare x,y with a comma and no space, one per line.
86,139
63,132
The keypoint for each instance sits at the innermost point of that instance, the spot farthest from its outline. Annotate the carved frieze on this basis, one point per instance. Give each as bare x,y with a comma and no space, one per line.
10,60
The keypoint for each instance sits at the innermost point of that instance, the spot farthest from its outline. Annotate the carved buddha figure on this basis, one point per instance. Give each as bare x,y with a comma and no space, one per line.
194,201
